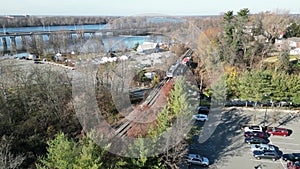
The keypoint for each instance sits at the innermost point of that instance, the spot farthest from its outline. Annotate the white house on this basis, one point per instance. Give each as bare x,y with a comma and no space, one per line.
58,57
150,75
148,47
295,51
294,42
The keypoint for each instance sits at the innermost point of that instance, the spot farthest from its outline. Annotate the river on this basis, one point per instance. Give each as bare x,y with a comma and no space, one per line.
109,43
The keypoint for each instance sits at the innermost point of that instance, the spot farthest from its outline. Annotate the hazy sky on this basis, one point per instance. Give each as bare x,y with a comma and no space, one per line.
132,7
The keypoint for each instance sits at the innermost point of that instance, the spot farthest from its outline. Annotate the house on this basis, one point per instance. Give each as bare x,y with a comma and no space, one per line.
150,75
148,48
280,43
25,56
58,57
294,42
295,51
293,45
261,39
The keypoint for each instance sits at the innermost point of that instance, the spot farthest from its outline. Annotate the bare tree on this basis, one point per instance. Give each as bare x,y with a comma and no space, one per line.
7,159
274,23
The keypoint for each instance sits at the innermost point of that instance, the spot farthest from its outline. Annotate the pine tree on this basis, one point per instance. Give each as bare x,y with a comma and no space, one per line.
64,153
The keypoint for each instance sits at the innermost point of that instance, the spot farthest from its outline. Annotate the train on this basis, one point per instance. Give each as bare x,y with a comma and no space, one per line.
178,68
172,69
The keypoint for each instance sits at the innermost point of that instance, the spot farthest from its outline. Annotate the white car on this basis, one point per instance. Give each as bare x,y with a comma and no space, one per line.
200,117
253,128
261,147
198,160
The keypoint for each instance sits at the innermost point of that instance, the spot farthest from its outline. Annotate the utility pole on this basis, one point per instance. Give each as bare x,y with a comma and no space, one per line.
200,88
265,116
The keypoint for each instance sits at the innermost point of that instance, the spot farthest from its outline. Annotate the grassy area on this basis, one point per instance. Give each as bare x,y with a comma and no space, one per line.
275,58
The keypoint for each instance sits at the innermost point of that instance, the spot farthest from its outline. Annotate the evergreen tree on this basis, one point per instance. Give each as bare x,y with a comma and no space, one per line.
64,153
294,88
284,60
61,153
254,85
228,21
142,162
293,30
234,42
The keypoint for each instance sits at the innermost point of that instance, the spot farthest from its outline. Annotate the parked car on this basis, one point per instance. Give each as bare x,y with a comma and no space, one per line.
200,117
293,165
263,103
256,134
261,147
37,61
235,102
256,140
278,131
266,154
291,157
198,160
203,110
250,103
253,128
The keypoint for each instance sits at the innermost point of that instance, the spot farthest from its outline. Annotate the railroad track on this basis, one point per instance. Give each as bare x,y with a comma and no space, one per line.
149,101
122,129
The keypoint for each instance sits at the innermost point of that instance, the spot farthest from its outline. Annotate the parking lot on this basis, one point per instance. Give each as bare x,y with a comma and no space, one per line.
226,148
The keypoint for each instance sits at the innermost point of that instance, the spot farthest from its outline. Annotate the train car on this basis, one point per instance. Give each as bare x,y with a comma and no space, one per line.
172,69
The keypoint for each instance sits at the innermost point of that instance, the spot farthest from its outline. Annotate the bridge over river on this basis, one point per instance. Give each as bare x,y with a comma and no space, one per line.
9,38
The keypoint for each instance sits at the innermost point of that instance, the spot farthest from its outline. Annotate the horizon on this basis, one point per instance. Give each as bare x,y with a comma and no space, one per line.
74,15
135,7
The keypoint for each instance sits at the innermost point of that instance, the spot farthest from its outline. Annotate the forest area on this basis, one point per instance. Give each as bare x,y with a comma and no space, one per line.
243,45
39,127
29,21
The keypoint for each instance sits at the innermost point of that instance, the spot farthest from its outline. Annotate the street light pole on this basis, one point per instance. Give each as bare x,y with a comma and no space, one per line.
265,117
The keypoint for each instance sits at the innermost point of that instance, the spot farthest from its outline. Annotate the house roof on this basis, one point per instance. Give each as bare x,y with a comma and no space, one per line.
148,45
294,39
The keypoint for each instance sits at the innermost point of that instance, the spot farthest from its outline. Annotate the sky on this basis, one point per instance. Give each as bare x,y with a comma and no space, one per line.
137,7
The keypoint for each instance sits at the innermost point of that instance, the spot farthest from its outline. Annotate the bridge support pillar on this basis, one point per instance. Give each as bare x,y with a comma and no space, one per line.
23,43
4,43
13,44
33,43
80,37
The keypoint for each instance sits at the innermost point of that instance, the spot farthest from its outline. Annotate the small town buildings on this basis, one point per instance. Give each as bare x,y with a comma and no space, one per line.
291,43
294,42
148,48
295,51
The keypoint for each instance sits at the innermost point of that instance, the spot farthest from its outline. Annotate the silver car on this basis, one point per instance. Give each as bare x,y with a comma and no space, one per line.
200,117
198,160
261,147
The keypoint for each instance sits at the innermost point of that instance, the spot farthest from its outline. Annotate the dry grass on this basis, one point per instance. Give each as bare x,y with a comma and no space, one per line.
274,59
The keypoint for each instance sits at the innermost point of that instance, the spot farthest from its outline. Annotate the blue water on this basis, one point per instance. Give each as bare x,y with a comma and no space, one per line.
112,43
164,19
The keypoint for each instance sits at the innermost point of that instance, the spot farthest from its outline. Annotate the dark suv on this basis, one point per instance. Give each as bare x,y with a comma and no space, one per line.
256,140
266,154
291,157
